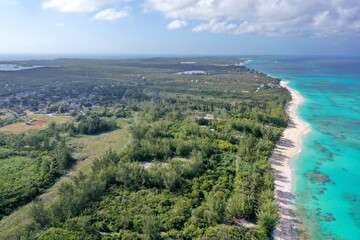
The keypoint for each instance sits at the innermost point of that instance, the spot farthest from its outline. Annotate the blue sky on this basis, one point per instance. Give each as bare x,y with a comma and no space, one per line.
187,27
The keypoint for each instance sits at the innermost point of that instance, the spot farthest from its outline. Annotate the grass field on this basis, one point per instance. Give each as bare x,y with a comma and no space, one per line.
87,148
20,127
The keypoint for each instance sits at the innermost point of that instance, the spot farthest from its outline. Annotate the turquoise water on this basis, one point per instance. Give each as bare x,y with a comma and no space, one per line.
327,171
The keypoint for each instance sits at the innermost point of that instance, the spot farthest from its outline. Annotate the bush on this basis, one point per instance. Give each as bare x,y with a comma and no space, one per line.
230,233
267,216
239,206
151,228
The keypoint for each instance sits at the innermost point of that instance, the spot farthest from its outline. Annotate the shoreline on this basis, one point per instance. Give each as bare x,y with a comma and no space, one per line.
286,149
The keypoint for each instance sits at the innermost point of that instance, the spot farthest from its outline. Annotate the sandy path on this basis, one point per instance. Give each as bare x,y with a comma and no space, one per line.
287,148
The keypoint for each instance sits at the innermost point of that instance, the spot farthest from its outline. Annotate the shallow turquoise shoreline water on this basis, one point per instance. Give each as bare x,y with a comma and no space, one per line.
326,179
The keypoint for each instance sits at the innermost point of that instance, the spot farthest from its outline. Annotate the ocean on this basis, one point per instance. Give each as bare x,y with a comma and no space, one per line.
326,174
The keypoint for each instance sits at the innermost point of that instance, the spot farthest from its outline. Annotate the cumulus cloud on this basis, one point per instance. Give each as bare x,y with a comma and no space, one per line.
78,5
59,25
112,14
177,24
215,27
269,17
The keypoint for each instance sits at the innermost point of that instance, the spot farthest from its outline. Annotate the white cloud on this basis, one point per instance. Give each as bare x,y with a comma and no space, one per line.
177,24
215,27
78,5
59,25
269,17
112,14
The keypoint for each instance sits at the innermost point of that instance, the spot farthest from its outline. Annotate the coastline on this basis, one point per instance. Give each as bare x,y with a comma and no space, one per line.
286,149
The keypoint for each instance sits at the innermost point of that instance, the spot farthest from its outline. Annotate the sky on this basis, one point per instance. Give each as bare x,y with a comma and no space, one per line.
180,27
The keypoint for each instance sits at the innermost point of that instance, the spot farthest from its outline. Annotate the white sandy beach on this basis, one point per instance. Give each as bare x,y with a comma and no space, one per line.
287,148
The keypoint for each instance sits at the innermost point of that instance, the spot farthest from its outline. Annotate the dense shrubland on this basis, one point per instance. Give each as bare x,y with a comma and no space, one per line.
204,176
196,166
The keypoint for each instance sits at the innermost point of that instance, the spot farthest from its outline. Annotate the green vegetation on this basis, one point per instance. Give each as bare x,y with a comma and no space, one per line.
32,161
30,169
7,121
195,166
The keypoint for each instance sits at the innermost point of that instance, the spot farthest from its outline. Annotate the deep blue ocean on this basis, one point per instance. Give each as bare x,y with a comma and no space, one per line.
326,174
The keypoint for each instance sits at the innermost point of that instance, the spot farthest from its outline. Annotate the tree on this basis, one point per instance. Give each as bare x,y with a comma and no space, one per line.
239,206
38,213
171,179
267,216
151,228
217,204
62,156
